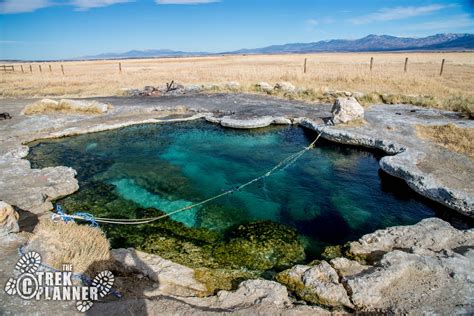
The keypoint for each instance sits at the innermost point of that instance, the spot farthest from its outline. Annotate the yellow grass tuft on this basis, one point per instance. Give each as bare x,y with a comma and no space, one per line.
65,106
85,247
450,136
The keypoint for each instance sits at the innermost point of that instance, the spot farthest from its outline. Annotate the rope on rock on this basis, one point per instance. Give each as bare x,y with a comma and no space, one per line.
282,165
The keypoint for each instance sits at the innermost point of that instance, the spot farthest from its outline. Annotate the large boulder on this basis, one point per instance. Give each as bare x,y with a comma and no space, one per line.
346,109
431,234
8,219
417,283
420,269
318,284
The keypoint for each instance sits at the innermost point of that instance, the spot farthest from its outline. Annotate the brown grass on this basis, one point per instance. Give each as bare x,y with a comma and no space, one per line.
450,136
387,83
86,248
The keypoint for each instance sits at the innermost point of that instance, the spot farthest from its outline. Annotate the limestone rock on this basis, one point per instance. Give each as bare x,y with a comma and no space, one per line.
432,234
264,86
346,267
256,122
439,283
38,186
346,109
8,219
253,292
172,278
285,87
318,284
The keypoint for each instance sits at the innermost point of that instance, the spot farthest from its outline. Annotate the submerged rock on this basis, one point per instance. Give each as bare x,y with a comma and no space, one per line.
8,219
346,109
261,246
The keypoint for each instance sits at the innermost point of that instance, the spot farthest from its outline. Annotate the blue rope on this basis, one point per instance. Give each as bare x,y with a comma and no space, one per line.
66,218
88,217
84,278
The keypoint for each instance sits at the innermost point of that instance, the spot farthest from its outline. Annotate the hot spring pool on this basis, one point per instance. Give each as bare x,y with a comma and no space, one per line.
331,195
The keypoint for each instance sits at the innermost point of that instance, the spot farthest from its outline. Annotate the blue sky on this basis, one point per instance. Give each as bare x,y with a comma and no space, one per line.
55,29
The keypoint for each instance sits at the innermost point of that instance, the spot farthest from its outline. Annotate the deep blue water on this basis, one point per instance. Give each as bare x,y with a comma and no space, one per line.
331,195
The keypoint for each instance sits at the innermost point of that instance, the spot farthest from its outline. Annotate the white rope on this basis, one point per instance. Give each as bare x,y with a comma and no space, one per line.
282,165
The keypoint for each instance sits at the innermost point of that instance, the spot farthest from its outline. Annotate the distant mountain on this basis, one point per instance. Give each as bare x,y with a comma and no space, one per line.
370,43
144,54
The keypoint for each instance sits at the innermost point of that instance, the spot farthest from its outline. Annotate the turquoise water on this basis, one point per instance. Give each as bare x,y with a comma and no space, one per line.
331,195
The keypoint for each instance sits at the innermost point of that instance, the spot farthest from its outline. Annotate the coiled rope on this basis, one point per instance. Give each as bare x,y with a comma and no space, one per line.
282,165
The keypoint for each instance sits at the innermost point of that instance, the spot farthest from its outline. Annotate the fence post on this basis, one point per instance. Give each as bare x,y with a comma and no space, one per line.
442,67
13,68
62,69
40,68
406,63
305,60
22,71
120,67
31,69
371,63
50,68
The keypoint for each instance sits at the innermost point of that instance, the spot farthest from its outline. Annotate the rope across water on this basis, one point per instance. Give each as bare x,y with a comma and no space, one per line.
282,165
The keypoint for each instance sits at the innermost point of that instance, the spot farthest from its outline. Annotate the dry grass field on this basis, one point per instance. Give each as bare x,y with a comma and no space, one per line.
387,82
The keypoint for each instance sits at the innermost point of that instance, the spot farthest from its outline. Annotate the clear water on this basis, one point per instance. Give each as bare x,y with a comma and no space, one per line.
331,195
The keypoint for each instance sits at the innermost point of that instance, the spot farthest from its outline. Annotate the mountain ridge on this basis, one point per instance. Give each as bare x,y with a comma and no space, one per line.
369,43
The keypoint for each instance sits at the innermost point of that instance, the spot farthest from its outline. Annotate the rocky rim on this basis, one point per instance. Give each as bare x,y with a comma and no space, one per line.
371,282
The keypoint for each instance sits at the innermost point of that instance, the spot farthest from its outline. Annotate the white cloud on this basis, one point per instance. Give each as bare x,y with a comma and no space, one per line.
312,24
18,6
398,13
22,6
83,5
185,1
